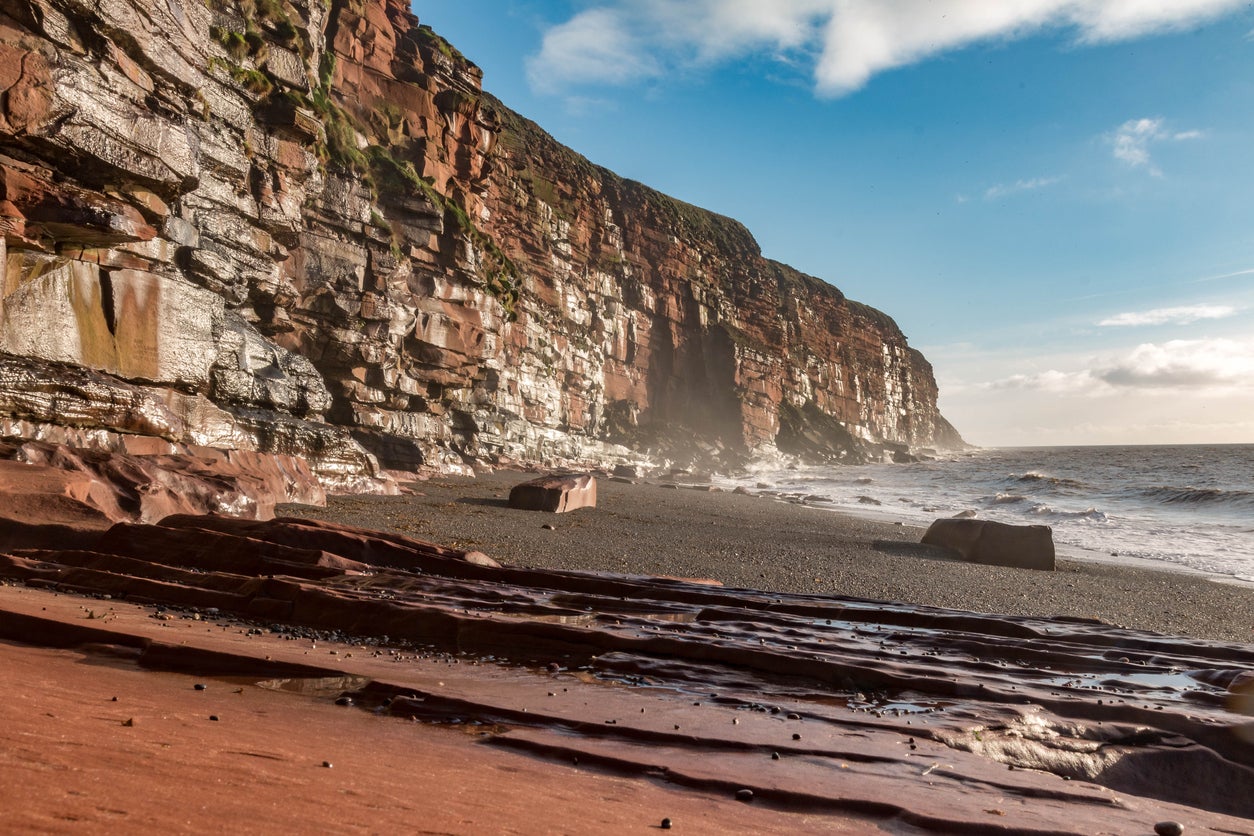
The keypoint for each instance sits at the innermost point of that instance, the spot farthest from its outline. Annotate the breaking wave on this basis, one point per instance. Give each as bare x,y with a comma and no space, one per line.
1034,477
1200,496
1091,514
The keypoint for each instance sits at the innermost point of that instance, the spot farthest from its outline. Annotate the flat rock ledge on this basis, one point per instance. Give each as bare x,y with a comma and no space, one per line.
935,720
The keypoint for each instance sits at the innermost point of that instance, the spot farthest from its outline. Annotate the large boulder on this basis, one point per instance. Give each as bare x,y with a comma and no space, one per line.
556,494
995,543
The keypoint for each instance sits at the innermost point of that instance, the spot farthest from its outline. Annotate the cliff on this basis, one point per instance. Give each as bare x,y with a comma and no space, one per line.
295,227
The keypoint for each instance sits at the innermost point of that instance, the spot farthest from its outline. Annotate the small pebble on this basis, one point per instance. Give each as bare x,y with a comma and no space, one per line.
549,527
796,737
794,716
115,699
213,717
326,764
1169,828
344,701
744,795
129,722
666,824
774,756
200,686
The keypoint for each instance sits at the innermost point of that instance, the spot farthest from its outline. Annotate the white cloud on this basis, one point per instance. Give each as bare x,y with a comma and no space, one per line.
849,41
1131,142
1175,316
1000,190
1062,383
1218,364
1187,364
595,47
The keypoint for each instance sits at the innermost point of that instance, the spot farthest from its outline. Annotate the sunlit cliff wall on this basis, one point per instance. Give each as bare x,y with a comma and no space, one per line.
301,227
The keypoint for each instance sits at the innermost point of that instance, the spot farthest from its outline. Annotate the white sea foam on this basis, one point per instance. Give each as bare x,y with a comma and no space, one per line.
1186,507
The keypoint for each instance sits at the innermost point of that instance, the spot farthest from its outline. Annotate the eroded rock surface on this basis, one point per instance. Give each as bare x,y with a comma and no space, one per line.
304,229
53,494
935,719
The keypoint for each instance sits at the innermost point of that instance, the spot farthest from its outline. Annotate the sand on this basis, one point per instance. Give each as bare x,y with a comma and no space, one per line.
761,543
92,743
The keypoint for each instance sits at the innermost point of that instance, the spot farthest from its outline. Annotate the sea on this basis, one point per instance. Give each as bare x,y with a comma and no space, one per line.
1187,507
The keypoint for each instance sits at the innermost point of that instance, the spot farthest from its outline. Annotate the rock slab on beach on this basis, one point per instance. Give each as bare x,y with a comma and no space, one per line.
919,711
994,543
555,494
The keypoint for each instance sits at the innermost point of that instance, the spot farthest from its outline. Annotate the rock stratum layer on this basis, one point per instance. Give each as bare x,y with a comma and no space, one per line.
915,719
302,228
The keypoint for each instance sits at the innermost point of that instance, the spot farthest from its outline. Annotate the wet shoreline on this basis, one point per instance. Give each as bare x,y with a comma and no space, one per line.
755,542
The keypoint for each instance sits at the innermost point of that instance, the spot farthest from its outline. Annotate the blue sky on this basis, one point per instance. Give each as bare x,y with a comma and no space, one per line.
1053,198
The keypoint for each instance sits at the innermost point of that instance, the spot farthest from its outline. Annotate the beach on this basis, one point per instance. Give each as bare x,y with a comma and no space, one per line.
650,527
232,668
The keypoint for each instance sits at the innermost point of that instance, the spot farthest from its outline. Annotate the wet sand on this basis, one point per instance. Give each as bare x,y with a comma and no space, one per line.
760,543
806,711
92,742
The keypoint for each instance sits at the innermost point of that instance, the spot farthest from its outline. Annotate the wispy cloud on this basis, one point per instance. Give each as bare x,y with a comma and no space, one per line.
847,42
1059,382
1000,190
1185,315
1232,275
598,46
1131,142
1152,367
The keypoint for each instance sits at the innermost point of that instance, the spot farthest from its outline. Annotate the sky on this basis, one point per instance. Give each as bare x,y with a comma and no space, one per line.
1054,199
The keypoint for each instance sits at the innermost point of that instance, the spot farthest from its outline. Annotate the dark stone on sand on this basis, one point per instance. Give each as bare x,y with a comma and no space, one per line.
344,701
213,717
744,795
774,756
1169,828
199,686
326,764
555,494
666,824
993,543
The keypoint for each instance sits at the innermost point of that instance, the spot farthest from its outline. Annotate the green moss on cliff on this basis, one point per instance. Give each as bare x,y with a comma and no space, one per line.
436,42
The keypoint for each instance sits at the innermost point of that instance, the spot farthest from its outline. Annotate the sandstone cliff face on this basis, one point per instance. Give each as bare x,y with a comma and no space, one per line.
302,228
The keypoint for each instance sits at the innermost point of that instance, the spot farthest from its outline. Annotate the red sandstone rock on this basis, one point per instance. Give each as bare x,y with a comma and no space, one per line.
235,277
555,494
994,543
45,484
886,698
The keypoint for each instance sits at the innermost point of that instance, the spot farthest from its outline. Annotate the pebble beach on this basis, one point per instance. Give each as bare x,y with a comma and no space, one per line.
757,542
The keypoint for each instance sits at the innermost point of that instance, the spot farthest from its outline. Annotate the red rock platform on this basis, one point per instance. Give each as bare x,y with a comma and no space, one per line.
831,712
